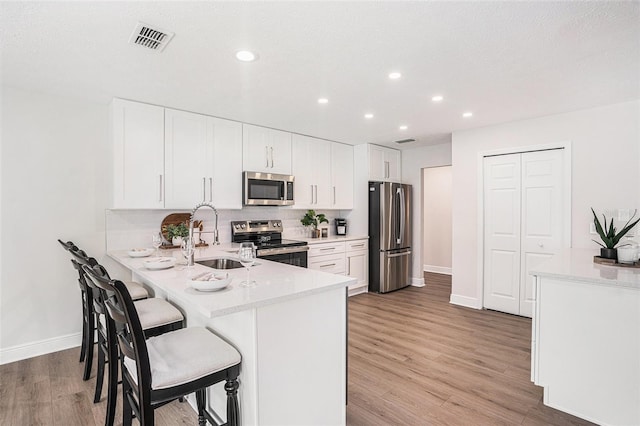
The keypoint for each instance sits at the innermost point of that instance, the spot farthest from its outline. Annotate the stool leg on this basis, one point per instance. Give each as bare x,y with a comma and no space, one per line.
127,411
100,370
83,346
201,400
88,362
232,402
112,383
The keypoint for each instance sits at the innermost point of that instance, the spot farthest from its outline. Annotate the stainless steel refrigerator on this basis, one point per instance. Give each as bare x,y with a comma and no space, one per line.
389,236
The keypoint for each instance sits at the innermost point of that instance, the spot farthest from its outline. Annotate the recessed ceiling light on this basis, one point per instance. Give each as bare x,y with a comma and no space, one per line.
437,98
467,114
368,116
403,127
395,75
323,101
246,56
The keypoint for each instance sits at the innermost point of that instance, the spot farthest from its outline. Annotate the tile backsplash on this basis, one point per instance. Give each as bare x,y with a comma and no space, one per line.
133,228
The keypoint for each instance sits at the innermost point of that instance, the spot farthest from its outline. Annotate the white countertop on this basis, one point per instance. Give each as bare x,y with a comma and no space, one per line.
276,282
577,265
332,239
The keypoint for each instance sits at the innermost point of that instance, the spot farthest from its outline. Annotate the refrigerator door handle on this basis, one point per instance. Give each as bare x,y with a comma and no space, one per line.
404,253
402,216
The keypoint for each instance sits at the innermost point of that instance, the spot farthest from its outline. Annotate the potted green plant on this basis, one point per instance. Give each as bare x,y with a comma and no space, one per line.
175,233
609,234
310,218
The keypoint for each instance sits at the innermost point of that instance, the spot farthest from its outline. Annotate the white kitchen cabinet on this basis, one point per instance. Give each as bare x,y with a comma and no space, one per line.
384,164
225,172
357,263
341,176
188,156
266,150
311,161
138,155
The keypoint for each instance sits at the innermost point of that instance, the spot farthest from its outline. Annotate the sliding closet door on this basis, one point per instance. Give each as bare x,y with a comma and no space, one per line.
502,188
542,216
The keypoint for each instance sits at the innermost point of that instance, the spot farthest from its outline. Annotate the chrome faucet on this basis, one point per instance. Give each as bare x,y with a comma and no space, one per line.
216,240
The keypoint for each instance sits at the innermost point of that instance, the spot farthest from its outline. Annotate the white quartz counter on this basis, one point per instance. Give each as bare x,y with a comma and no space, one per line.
276,282
332,239
577,265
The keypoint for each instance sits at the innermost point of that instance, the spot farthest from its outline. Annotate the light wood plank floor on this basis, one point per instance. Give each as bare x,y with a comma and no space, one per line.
414,359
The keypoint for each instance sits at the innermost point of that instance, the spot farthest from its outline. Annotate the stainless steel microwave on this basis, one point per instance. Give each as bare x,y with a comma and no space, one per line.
267,189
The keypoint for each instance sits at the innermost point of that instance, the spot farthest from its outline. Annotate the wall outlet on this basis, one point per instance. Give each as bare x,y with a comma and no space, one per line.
592,228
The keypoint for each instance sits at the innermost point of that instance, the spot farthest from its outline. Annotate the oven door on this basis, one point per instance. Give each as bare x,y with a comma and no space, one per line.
296,256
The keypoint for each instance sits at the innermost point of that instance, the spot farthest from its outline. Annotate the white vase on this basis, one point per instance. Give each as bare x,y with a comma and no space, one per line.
176,241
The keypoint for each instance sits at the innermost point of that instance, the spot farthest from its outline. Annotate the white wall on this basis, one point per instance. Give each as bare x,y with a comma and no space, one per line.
436,219
413,161
605,145
52,172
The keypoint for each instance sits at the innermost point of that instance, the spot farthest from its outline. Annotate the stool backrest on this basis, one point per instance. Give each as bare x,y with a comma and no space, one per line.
131,338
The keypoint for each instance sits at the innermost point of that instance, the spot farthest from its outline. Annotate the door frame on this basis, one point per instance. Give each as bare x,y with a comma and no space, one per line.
566,238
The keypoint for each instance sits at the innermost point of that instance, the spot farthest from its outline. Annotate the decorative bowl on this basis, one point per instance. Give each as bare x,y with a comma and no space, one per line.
140,252
210,281
155,263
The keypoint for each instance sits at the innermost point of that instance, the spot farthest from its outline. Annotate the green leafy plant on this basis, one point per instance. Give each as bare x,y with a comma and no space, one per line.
179,230
608,234
310,218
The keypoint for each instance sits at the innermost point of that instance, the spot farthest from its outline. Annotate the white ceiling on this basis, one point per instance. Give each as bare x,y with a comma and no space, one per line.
504,61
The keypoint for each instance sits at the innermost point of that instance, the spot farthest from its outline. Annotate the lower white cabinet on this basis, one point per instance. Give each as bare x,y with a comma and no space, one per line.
342,257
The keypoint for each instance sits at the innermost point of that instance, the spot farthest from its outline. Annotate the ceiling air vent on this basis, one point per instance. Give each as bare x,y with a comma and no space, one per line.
406,141
150,37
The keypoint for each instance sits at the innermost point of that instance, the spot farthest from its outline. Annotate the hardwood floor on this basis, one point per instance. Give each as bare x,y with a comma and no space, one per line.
414,359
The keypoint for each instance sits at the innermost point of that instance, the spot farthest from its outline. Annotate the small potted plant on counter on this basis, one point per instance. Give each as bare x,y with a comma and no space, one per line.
175,233
609,235
312,219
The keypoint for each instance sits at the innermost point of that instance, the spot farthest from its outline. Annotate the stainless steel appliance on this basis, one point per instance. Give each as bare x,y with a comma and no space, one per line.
341,226
267,237
389,236
267,189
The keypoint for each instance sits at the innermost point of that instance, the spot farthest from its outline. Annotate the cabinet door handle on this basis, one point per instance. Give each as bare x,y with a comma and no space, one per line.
211,189
316,187
160,198
311,193
328,248
334,195
266,154
271,149
204,188
327,265
386,169
358,245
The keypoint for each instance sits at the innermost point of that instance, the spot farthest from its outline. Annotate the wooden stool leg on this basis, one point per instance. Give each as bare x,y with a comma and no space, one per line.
201,401
232,402
100,371
83,346
127,411
88,362
112,381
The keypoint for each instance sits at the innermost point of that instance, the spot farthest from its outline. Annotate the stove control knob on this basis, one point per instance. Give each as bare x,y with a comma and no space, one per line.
243,226
236,226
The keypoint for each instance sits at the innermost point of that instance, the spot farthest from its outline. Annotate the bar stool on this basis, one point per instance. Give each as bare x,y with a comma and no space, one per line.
166,367
88,315
157,316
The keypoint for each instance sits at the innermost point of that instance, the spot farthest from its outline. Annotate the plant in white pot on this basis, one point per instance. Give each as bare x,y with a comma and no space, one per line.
175,233
609,234
310,218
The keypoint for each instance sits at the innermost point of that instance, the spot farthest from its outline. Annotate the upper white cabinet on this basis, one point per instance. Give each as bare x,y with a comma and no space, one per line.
384,164
203,160
266,150
311,168
138,155
341,176
165,158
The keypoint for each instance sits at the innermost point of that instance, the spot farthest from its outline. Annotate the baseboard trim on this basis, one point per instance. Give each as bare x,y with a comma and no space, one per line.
42,347
437,269
417,282
467,302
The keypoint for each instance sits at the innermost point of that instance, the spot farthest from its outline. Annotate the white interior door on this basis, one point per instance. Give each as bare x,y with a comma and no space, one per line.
523,224
542,216
502,186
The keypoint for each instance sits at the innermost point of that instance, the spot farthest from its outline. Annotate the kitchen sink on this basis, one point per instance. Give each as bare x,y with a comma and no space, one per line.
221,263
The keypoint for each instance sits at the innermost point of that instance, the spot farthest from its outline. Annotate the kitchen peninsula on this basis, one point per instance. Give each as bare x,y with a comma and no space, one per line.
290,330
585,348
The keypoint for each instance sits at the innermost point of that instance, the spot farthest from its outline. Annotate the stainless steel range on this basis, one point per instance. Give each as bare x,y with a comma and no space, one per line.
267,237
